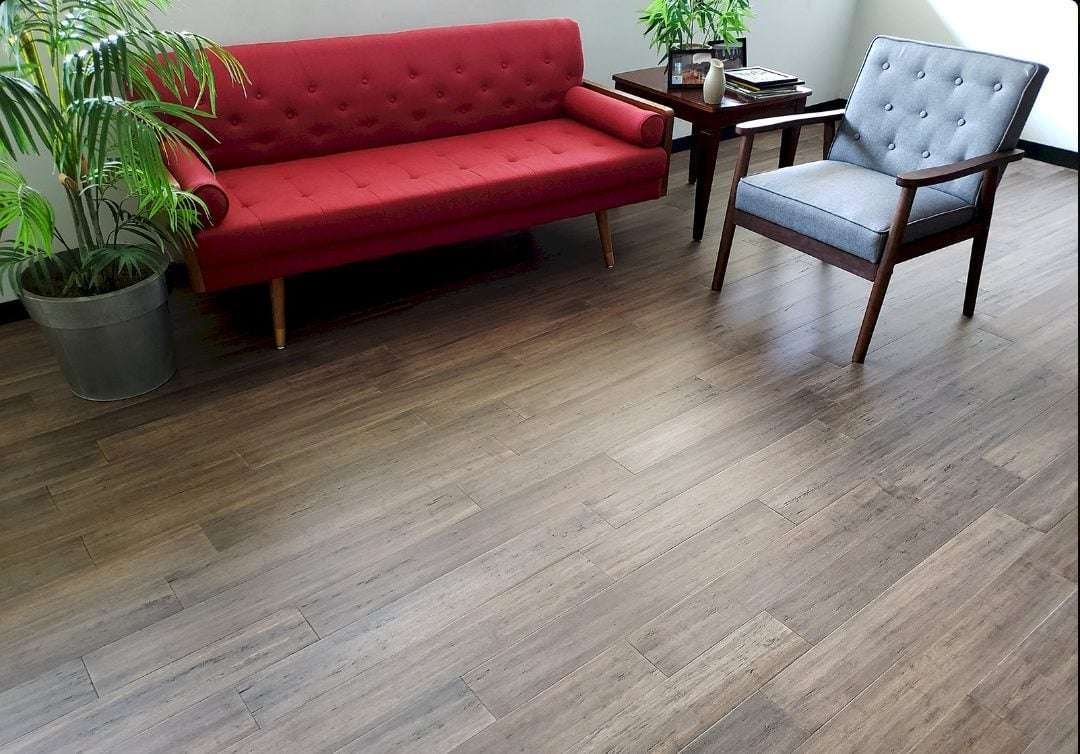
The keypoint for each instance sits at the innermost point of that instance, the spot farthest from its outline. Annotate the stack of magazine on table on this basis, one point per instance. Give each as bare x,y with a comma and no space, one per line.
758,83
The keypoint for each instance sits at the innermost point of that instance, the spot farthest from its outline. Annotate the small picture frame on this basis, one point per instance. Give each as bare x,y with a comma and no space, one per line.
733,55
688,66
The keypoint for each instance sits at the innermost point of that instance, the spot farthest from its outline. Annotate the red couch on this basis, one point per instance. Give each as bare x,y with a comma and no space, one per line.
353,148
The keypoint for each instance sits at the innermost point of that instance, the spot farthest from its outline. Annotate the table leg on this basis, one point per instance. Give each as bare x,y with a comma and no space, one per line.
692,176
789,145
789,141
706,146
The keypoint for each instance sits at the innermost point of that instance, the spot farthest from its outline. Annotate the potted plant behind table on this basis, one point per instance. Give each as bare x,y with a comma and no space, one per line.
686,29
93,84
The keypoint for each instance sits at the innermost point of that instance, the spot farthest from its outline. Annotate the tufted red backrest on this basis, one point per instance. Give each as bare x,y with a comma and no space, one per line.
319,96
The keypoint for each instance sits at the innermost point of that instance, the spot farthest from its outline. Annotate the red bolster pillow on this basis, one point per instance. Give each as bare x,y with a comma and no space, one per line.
195,176
620,119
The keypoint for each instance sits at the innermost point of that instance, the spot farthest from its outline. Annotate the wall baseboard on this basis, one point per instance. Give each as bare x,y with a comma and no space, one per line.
12,311
1063,158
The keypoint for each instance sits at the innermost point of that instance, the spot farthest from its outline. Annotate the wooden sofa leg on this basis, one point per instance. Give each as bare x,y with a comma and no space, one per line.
978,251
605,238
277,304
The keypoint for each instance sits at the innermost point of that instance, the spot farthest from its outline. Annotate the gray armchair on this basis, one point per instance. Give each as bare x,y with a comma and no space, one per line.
910,167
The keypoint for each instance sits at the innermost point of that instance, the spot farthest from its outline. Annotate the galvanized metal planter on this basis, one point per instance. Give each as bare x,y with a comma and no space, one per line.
113,346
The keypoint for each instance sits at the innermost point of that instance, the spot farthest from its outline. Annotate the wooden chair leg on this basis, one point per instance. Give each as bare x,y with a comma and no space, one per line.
728,233
884,273
978,251
870,316
605,238
277,305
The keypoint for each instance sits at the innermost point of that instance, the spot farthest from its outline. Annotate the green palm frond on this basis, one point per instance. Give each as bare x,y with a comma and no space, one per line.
98,86
27,210
29,120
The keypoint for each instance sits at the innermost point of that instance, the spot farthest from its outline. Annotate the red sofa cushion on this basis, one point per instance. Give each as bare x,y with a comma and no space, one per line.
621,119
284,208
195,177
321,96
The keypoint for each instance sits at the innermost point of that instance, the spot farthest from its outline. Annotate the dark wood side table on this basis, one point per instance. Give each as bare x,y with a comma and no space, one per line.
708,123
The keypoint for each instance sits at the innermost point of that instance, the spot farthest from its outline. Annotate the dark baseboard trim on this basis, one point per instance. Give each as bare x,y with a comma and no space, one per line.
12,311
1063,158
682,143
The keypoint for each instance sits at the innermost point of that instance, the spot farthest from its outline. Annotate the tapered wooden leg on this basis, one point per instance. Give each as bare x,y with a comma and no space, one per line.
277,305
691,176
706,144
605,238
870,316
978,251
728,233
884,273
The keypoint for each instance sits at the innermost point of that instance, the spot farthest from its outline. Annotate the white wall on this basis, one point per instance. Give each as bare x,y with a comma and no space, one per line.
1040,30
805,36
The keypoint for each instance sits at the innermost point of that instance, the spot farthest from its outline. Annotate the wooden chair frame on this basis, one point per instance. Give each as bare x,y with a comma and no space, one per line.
896,249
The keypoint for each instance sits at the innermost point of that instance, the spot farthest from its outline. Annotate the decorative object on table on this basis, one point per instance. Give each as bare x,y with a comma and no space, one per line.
674,27
715,83
84,91
688,67
758,83
733,54
902,173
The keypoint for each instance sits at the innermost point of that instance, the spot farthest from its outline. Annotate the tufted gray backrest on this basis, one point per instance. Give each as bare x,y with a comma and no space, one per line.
918,105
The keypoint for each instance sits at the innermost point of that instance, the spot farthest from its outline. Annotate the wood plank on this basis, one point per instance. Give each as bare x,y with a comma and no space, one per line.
1061,735
41,700
42,564
707,456
1048,496
445,718
920,689
905,618
690,626
516,675
326,716
350,647
369,581
661,528
679,709
757,726
970,728
1024,686
562,715
159,695
205,727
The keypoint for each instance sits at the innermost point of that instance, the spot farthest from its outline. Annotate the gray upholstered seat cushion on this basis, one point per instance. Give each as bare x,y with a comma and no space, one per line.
846,206
918,105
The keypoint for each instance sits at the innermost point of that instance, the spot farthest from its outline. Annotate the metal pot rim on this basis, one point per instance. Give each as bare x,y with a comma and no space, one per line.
24,293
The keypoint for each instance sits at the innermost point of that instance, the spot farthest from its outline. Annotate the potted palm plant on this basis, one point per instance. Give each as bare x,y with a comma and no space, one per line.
685,24
95,85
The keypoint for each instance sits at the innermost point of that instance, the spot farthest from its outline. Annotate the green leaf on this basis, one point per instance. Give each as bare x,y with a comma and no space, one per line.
29,211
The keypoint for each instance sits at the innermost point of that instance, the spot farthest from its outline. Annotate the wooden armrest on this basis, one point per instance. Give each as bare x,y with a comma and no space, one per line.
788,121
631,99
943,173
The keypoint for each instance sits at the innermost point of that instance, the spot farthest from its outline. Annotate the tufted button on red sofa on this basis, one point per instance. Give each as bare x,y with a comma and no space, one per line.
353,148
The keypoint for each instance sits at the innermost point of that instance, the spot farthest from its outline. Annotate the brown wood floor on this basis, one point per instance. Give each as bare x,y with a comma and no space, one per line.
497,498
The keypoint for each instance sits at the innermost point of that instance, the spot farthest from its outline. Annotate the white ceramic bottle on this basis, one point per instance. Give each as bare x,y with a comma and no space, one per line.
715,83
